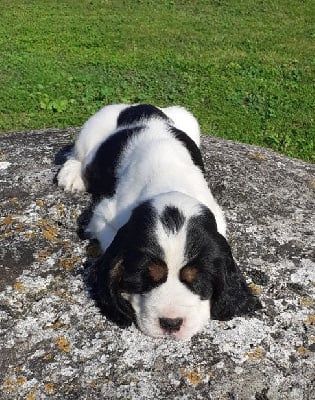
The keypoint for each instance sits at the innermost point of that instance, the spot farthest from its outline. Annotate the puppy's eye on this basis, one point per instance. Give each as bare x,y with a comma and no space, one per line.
157,272
188,274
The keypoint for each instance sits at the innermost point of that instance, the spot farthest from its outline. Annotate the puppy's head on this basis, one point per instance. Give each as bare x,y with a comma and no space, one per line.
169,270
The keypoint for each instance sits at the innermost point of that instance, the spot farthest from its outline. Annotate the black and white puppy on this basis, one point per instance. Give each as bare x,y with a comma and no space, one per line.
166,264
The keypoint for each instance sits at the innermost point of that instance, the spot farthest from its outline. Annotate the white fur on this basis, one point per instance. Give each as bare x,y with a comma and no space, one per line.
170,300
184,121
70,176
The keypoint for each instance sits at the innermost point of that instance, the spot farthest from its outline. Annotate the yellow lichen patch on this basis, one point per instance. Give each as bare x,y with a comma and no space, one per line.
210,374
17,227
255,289
310,320
93,250
11,225
31,396
49,231
19,287
20,380
40,203
311,183
8,385
29,234
255,355
48,235
69,263
66,243
8,220
48,357
42,255
303,351
193,377
49,388
307,301
56,325
60,210
64,294
100,326
63,344
95,383
257,156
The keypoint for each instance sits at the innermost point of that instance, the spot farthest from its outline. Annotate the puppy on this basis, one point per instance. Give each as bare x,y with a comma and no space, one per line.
166,264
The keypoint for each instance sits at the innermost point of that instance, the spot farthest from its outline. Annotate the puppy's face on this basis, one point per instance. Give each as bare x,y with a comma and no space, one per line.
168,284
168,269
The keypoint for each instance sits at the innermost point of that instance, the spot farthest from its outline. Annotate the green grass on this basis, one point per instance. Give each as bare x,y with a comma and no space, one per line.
245,68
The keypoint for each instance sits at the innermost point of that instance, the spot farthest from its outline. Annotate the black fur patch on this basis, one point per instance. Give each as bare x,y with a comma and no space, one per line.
124,267
219,278
191,146
100,174
172,219
141,227
198,230
134,114
201,249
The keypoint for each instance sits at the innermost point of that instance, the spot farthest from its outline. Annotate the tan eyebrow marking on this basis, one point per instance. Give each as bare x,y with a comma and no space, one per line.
157,272
189,274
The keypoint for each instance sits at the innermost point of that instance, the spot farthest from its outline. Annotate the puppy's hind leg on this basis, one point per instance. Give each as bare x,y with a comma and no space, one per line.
70,176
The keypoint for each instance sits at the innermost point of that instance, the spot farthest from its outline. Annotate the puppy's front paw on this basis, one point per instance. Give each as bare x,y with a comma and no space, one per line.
70,178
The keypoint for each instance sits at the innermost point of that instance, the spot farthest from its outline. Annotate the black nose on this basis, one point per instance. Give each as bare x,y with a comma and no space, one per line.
171,324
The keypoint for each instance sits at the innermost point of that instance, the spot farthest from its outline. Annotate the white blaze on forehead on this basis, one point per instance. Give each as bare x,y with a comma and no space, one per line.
173,242
173,245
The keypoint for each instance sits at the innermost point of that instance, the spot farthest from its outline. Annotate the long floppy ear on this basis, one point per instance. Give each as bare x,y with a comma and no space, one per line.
231,295
106,284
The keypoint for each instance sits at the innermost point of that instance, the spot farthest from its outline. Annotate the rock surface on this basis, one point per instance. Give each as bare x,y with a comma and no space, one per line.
56,345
